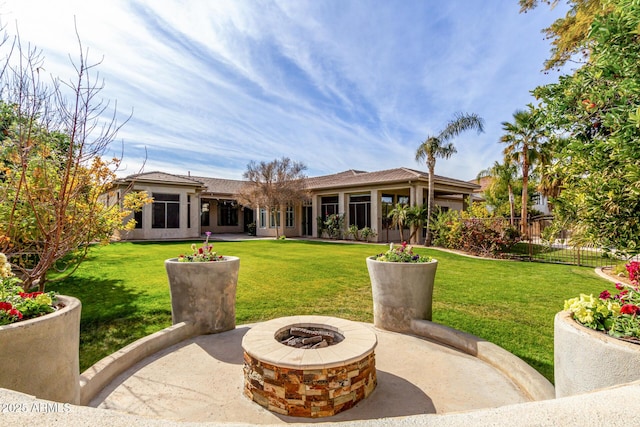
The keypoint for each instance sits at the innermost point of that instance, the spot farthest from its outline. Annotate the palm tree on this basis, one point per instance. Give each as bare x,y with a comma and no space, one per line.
504,175
399,216
440,146
550,183
416,217
523,138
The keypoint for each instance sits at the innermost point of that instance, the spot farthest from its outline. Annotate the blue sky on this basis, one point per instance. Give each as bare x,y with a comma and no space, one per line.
336,84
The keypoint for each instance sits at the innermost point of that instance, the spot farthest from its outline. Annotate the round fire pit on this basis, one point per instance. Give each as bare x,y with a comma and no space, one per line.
313,377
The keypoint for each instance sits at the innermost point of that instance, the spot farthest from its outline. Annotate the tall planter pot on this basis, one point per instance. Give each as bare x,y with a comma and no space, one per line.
402,292
40,356
204,293
587,360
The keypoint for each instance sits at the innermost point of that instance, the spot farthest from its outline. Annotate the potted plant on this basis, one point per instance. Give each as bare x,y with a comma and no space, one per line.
597,339
402,287
40,334
203,288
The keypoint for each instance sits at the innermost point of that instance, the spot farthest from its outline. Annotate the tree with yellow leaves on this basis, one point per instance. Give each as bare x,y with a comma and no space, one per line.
53,176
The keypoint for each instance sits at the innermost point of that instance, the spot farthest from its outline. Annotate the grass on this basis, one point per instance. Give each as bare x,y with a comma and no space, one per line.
125,293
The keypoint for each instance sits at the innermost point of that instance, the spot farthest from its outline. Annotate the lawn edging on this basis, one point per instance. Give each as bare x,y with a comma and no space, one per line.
530,381
103,372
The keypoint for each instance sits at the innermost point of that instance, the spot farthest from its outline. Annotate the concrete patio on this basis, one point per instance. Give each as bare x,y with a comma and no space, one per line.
201,380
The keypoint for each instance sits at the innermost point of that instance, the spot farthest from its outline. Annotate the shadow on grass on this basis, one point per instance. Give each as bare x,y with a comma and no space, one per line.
110,318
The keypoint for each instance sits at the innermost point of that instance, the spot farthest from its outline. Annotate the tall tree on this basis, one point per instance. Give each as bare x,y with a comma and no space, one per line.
570,35
440,146
597,108
53,174
523,137
274,185
503,175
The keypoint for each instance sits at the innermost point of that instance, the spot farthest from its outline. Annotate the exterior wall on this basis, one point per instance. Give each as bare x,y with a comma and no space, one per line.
543,205
266,230
149,233
452,204
416,192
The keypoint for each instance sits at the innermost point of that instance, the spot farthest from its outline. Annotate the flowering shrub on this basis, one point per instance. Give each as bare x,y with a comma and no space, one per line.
617,315
488,237
202,254
402,253
15,303
633,268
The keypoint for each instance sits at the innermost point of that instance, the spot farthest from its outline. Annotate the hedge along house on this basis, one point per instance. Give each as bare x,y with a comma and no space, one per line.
188,206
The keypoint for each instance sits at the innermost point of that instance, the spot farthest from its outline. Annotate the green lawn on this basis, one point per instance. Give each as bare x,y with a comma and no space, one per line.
125,294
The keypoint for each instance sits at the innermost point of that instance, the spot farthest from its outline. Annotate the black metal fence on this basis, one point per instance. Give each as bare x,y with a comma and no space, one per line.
535,248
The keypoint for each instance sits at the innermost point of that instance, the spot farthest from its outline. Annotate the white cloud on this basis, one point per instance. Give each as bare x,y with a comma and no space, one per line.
334,84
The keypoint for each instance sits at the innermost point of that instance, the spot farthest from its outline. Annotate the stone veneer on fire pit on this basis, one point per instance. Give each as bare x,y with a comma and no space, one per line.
317,382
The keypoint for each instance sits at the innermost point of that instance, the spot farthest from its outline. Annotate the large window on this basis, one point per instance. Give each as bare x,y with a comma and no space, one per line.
360,210
166,211
389,202
227,213
329,206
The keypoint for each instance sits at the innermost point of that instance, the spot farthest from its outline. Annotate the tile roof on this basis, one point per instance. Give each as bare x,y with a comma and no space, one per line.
354,178
220,186
349,178
162,177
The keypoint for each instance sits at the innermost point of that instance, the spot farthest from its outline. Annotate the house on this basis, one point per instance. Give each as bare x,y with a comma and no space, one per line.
187,206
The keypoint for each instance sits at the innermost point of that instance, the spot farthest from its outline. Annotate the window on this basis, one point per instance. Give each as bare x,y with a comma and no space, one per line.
137,216
273,221
359,210
204,213
188,211
289,219
166,211
227,213
329,206
536,199
263,218
387,206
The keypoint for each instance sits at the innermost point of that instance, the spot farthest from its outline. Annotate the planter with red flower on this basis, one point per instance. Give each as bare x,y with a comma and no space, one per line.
203,288
402,287
597,339
39,340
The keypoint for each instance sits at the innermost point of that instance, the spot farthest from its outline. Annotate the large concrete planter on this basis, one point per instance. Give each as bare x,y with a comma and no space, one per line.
40,356
204,293
402,292
586,360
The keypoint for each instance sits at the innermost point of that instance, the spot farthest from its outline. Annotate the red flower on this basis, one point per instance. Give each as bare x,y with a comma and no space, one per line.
619,286
630,309
621,296
605,294
14,312
6,306
27,295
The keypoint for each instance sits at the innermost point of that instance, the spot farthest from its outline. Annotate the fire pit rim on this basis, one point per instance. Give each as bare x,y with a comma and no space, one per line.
260,343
